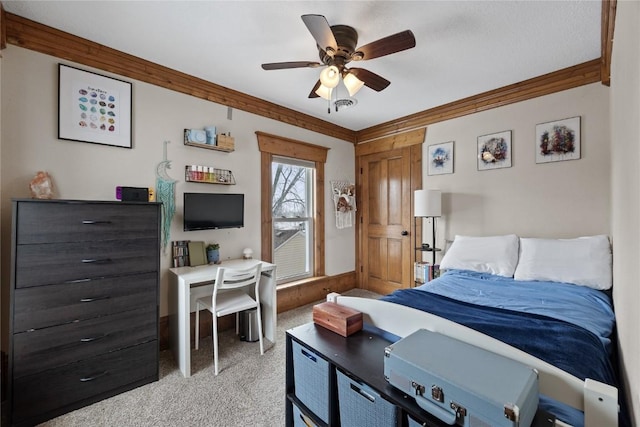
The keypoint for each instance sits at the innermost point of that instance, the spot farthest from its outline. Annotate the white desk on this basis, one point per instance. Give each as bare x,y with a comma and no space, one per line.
191,283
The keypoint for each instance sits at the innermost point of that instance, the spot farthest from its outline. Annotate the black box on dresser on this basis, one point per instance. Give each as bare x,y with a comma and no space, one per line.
84,303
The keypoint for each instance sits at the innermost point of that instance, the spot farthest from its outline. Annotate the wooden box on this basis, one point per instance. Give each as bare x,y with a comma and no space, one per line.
337,318
225,142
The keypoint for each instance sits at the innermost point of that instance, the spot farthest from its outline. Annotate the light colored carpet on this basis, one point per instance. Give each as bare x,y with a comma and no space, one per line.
249,390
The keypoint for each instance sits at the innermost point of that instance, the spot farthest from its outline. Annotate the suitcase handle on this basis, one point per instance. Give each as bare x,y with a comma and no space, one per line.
433,409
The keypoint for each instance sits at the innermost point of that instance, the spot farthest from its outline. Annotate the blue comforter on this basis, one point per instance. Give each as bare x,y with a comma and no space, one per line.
565,325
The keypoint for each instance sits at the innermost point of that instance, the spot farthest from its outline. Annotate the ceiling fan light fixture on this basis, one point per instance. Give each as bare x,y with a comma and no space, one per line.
330,77
324,92
352,83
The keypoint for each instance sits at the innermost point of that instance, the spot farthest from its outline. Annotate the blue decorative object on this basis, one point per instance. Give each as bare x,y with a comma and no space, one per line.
213,256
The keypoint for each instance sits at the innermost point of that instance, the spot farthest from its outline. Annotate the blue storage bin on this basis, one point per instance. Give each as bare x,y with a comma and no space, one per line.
300,420
311,380
360,405
412,422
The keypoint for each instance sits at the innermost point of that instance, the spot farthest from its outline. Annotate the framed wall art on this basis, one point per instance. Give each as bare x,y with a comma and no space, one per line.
494,151
93,108
557,141
440,158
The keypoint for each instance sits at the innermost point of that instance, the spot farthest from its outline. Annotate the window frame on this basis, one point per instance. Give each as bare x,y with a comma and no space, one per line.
310,189
273,145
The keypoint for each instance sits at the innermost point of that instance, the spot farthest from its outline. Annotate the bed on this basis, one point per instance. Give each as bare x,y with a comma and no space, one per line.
545,302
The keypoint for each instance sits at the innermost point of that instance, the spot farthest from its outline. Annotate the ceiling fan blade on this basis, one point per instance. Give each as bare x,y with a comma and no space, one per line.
292,64
313,93
321,31
388,45
371,80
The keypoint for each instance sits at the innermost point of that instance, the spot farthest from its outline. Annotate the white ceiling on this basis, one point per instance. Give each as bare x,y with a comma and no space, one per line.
462,47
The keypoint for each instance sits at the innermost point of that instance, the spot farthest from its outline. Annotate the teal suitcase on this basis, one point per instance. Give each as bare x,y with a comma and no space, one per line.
462,384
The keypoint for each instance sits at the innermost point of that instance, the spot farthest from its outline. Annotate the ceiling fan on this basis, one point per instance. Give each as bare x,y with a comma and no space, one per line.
337,47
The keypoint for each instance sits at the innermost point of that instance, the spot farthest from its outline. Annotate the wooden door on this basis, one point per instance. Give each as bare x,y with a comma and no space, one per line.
386,232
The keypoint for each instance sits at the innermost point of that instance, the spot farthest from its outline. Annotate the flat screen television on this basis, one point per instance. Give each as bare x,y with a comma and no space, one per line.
206,211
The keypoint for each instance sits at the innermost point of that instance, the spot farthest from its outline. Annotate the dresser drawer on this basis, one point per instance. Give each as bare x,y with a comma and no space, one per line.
48,348
55,389
46,264
44,306
49,222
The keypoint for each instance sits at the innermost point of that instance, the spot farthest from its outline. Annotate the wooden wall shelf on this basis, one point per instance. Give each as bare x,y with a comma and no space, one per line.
209,147
224,143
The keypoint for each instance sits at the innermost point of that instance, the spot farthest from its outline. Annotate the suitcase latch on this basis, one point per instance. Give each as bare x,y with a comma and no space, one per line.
437,394
419,389
460,411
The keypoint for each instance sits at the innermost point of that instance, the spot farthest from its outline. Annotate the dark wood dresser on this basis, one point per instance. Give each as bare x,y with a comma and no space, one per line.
84,303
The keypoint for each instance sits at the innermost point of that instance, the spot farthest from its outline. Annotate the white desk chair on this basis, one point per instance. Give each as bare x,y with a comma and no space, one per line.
232,299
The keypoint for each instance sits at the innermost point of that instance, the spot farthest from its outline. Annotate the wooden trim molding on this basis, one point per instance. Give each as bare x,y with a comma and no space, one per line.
296,296
273,145
607,30
266,240
3,28
287,147
32,35
392,142
582,74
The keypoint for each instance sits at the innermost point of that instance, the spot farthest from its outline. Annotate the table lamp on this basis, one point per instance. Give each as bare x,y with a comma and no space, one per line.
428,204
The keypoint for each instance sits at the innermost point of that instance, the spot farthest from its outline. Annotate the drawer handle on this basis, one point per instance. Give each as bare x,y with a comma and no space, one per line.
78,281
95,298
93,338
362,393
96,261
92,222
308,355
94,377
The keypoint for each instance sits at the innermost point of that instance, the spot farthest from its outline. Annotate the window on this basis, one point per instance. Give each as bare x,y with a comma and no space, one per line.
292,206
292,183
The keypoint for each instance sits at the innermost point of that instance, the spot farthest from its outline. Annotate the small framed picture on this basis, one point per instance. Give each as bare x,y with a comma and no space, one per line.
494,151
93,108
440,158
557,141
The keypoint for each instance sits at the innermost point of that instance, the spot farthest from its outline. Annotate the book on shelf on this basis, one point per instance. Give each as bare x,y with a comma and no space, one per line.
180,253
425,272
434,271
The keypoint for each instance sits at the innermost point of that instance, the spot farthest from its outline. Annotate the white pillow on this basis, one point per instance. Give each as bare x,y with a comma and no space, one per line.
585,261
493,254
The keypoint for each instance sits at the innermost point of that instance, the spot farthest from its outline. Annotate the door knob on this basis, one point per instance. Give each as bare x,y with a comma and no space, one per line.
404,233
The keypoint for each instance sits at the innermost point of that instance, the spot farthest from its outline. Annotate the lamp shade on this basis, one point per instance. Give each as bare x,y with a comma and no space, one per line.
324,92
330,76
353,84
427,203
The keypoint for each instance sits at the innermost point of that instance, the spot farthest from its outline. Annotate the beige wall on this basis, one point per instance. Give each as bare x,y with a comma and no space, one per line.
90,171
625,191
560,199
